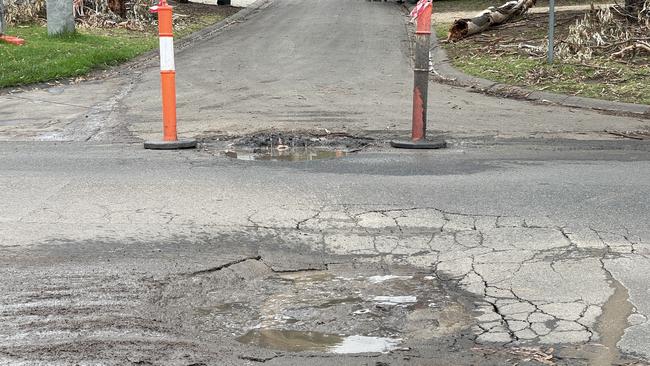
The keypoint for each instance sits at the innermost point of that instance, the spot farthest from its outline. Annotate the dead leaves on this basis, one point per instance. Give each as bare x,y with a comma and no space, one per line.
608,32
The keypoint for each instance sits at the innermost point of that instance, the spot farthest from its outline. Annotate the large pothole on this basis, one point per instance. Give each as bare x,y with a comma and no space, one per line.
334,311
286,146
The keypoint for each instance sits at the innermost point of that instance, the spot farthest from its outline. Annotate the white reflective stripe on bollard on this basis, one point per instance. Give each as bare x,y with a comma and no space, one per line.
167,54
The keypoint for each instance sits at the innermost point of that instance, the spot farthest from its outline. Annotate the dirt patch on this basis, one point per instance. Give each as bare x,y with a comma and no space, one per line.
191,13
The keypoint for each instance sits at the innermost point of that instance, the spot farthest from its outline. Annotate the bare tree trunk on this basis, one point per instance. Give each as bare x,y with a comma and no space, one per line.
489,17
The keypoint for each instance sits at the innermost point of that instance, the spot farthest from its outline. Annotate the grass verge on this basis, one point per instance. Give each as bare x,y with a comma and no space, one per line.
440,6
44,58
496,55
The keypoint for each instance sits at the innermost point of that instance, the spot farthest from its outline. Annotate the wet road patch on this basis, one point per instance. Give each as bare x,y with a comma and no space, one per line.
285,146
299,341
282,153
316,311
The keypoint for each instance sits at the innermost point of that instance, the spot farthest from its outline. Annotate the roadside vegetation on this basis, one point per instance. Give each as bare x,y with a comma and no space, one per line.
443,6
43,58
595,54
97,44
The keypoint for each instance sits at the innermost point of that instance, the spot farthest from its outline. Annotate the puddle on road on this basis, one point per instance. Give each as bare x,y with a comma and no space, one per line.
342,310
302,341
288,154
611,326
286,146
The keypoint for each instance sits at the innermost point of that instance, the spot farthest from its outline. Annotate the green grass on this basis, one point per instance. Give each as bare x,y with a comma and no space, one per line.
621,83
441,30
44,58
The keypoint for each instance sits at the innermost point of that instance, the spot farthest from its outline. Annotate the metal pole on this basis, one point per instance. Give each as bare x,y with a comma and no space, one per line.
421,85
2,18
551,30
421,75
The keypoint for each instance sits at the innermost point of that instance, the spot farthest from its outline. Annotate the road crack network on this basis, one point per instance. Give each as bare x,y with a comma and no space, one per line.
537,277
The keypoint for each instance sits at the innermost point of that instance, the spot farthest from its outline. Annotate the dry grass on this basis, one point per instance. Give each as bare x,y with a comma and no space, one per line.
516,54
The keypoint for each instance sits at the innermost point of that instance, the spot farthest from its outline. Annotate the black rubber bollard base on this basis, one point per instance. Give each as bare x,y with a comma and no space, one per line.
170,145
421,144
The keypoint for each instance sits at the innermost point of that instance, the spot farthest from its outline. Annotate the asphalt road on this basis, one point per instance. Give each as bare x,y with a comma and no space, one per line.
114,253
290,64
336,65
494,251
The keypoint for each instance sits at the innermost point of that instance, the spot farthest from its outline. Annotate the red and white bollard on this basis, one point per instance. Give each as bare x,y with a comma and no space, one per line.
168,83
422,13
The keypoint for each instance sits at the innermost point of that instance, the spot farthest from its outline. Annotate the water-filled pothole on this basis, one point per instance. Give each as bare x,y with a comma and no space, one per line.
301,341
286,146
285,154
335,311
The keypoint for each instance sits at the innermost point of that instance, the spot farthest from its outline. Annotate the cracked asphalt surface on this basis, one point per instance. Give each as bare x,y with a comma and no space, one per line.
498,250
113,254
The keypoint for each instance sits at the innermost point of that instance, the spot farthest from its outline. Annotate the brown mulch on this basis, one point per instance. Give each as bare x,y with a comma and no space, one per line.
195,9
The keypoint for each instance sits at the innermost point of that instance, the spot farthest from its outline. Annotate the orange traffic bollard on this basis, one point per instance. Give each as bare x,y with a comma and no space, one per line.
422,13
12,40
168,83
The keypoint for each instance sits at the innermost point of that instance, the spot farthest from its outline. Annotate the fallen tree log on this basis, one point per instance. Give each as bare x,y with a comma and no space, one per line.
645,46
489,17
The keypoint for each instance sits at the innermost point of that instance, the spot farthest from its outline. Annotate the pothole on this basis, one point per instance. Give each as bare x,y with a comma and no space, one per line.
301,341
284,146
315,311
284,154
